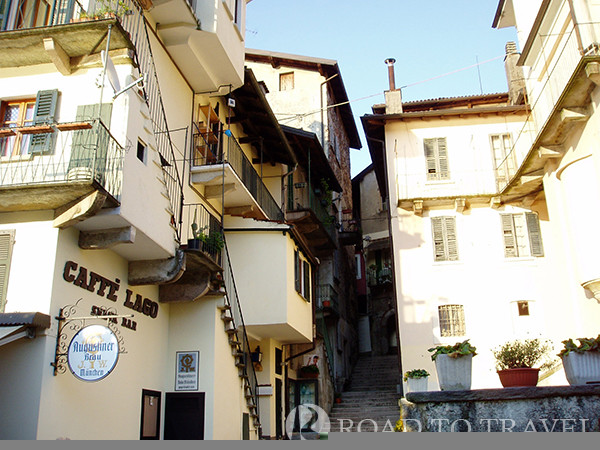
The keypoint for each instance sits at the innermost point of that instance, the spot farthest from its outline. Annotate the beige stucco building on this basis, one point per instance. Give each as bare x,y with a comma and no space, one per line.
161,209
481,251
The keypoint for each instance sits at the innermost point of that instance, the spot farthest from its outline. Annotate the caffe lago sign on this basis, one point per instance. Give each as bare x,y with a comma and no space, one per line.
93,353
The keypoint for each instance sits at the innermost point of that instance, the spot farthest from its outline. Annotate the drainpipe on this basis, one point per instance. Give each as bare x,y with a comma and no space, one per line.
322,107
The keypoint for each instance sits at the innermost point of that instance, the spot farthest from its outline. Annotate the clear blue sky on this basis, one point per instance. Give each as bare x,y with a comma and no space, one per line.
427,38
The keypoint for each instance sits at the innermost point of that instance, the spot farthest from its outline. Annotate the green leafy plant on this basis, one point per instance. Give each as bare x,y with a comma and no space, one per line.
453,351
313,368
107,7
198,232
416,373
521,354
215,240
585,345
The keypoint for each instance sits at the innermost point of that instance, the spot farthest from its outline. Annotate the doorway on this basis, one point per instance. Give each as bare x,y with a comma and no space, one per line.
184,416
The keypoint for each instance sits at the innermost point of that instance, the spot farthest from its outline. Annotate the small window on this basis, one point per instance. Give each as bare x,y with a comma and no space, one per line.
523,308
286,81
302,276
452,320
445,245
141,151
504,159
436,158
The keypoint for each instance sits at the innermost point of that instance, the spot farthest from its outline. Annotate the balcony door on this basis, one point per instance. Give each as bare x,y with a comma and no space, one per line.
16,114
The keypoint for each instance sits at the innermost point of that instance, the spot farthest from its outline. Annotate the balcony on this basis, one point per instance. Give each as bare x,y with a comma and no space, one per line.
566,68
47,167
219,165
378,277
309,214
327,299
60,32
200,35
349,232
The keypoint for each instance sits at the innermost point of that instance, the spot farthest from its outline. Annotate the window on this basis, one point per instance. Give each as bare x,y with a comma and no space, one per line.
436,157
504,160
522,235
452,320
286,81
14,115
445,246
141,151
7,240
302,276
523,308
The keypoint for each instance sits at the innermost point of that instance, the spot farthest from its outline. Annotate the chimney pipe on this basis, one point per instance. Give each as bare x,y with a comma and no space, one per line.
390,63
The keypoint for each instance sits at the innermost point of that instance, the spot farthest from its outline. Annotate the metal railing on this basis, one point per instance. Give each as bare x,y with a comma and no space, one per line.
202,231
305,198
379,276
223,148
85,151
322,329
327,293
233,301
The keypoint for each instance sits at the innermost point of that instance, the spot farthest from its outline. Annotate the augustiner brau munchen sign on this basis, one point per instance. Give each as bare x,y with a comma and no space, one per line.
93,353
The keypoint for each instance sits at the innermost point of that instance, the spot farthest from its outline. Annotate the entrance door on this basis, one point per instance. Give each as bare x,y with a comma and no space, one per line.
278,408
184,416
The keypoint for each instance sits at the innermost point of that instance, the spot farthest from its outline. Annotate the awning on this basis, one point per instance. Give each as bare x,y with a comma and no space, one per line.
15,326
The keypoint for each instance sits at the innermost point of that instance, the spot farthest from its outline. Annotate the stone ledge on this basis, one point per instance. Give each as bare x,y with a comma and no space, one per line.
513,393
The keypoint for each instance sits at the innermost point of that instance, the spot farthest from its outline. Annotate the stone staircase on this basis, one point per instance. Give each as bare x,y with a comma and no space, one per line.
371,403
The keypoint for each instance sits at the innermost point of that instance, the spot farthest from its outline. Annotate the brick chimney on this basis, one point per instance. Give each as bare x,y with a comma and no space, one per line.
393,97
514,75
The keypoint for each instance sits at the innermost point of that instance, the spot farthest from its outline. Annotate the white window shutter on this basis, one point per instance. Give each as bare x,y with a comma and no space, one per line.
521,235
430,158
7,239
439,247
535,234
451,241
442,149
508,233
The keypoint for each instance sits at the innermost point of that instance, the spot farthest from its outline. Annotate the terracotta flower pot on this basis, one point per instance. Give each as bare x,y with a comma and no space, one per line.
519,377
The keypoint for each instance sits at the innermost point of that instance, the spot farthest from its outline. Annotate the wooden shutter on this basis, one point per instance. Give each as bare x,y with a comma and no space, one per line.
306,276
297,279
430,160
442,157
445,242
508,233
439,247
535,234
7,239
451,241
45,109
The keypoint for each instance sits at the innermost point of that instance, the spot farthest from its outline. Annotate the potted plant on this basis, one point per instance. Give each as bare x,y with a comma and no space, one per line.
416,380
337,397
515,361
198,235
310,371
215,241
581,362
453,365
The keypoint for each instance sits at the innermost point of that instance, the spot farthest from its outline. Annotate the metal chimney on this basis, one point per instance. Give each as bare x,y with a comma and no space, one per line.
390,63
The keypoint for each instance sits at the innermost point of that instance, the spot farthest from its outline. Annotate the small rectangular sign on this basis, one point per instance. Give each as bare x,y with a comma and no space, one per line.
186,378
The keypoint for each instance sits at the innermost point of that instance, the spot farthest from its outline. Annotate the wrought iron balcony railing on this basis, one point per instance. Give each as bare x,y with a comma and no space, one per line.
202,231
61,153
327,297
379,276
223,148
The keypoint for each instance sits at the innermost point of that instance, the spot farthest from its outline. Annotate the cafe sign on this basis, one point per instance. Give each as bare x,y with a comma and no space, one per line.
93,353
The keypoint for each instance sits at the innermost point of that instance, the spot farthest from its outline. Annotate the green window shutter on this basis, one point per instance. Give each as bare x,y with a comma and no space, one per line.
535,234
45,110
430,159
306,276
7,239
508,233
297,280
442,157
451,240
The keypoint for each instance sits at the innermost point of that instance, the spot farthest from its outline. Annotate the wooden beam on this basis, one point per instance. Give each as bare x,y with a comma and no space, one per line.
568,115
550,152
79,210
217,190
592,70
102,239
